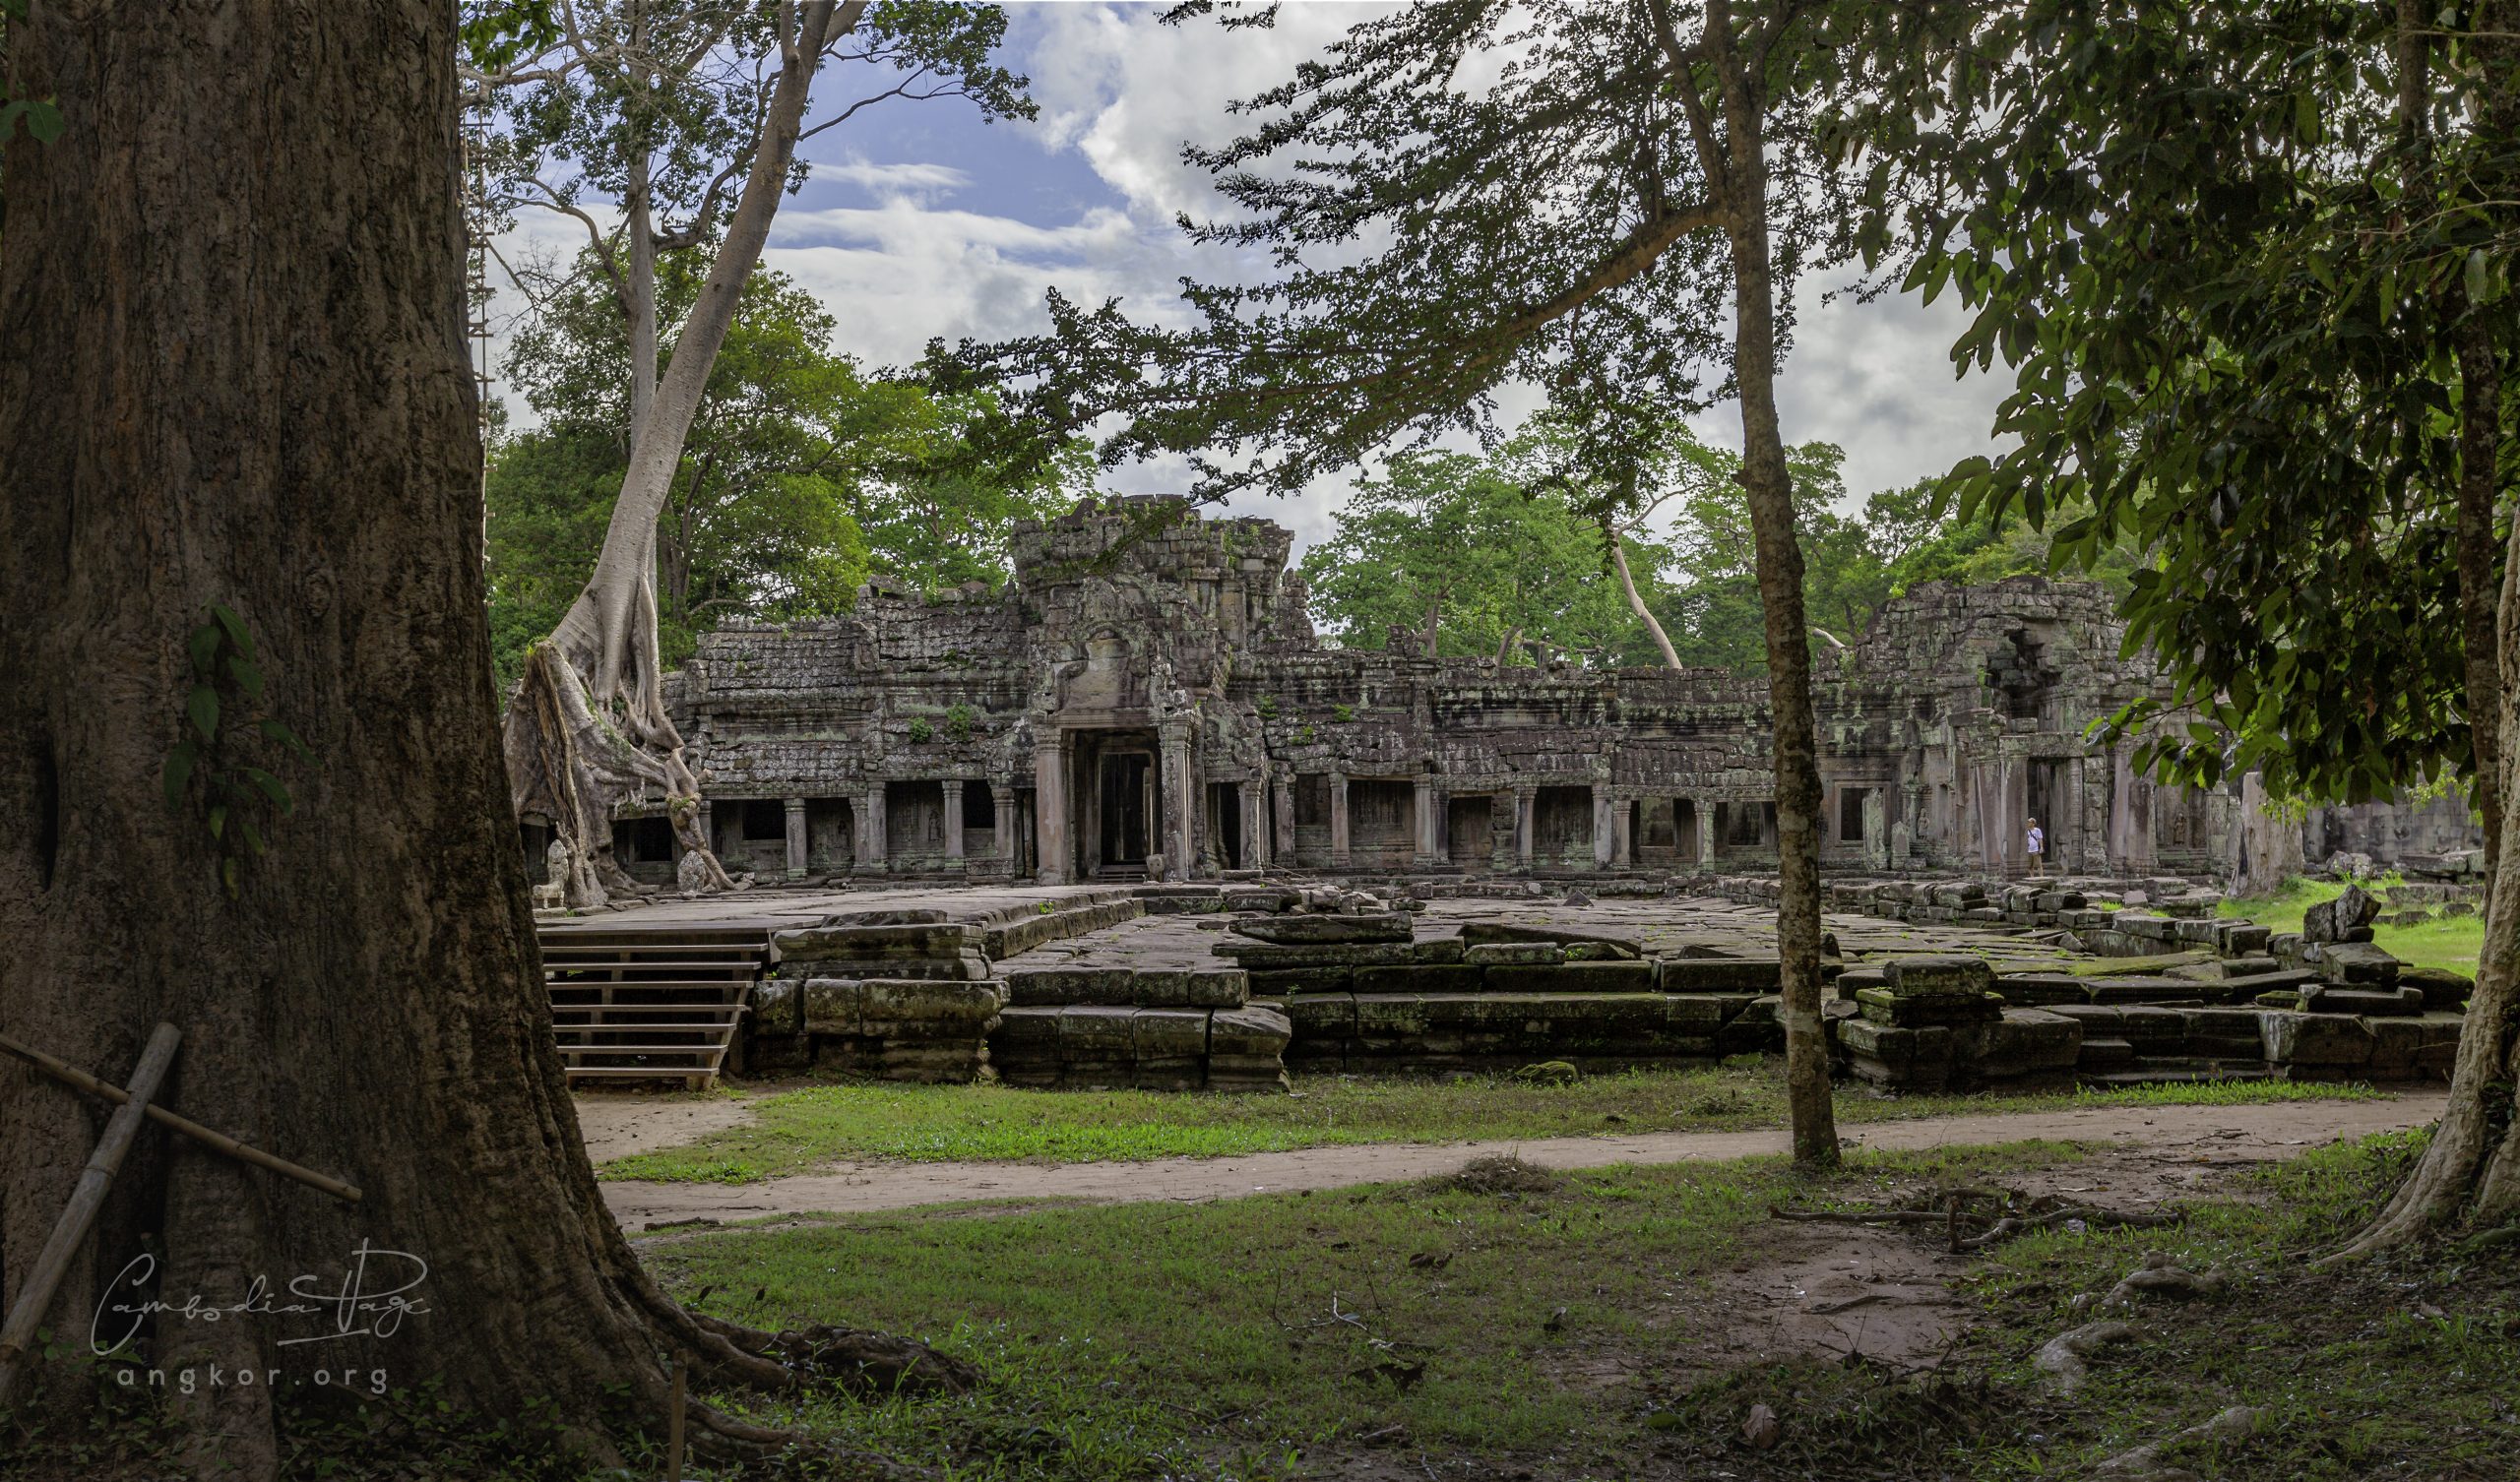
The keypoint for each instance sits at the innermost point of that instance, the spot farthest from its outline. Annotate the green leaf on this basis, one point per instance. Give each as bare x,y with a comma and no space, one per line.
2476,276
227,875
235,627
272,788
219,819
203,644
179,771
202,710
275,731
44,121
248,677
253,836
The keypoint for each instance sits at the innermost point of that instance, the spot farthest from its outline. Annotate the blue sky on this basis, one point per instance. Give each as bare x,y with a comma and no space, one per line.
921,220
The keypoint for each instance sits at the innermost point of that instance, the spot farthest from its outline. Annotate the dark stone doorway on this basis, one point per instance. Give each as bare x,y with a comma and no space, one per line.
1123,800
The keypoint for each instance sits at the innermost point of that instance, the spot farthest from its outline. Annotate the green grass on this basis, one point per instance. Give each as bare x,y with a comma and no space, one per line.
1576,1331
1231,1339
802,1129
2448,942
2405,1367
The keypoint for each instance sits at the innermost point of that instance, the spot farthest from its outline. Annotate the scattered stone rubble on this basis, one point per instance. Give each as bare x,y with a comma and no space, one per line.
1336,977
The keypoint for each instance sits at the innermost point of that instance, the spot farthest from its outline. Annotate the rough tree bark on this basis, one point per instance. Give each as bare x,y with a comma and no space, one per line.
236,375
1731,139
589,726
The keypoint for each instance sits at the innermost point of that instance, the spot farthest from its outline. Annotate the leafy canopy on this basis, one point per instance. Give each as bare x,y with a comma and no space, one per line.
801,477
2225,266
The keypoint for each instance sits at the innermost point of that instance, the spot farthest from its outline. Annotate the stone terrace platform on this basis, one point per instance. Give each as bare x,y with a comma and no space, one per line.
1191,986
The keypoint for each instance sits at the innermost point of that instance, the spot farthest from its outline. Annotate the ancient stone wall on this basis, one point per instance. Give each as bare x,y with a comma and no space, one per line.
1147,698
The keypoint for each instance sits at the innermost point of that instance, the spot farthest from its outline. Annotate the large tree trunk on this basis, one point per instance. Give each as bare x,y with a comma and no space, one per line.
1636,599
236,375
2480,431
1769,485
601,674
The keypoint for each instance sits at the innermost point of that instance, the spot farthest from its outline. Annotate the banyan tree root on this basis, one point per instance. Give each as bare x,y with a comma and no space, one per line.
2144,1463
1976,1219
2065,1358
571,761
2160,1276
817,1353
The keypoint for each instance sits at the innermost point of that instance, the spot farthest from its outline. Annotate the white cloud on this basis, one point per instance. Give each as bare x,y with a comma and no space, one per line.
894,179
933,256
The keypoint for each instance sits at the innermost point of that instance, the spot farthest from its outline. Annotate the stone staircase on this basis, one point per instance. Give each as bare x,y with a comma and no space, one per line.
665,1004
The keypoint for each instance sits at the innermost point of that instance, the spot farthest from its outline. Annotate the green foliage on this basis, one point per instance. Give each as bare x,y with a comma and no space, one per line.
238,796
801,477
497,33
1456,542
1265,706
921,732
959,722
2230,274
1343,712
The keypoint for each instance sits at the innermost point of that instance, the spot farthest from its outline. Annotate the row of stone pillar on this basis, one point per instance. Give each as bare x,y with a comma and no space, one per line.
873,844
1613,829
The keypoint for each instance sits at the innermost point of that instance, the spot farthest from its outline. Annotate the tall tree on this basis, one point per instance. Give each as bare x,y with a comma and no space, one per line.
240,483
688,118
1463,193
1451,547
2249,268
802,476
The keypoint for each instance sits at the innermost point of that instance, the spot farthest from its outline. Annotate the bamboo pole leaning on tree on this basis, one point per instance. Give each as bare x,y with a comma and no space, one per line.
87,1197
216,1142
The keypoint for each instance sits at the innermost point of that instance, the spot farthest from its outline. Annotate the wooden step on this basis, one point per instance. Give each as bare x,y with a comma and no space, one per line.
615,995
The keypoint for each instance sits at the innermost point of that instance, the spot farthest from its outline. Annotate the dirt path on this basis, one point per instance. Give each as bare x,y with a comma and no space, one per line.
2201,1134
617,1124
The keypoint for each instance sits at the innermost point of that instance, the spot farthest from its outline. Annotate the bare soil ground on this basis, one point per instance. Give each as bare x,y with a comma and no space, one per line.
2168,1141
617,1124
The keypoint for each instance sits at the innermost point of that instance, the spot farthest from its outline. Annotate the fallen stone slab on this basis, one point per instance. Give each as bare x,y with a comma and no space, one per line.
1476,933
2315,1039
1386,926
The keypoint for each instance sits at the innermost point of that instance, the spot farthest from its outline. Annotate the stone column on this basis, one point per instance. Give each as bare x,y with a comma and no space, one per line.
796,838
1338,820
1050,806
953,819
1604,843
1705,811
1622,831
1526,809
1442,839
1255,824
1002,793
701,820
1179,796
877,855
1424,855
1282,809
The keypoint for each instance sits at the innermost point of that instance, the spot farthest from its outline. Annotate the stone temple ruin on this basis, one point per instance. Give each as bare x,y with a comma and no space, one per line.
1129,822
1147,700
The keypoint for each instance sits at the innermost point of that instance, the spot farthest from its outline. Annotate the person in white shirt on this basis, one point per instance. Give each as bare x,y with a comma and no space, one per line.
2036,846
